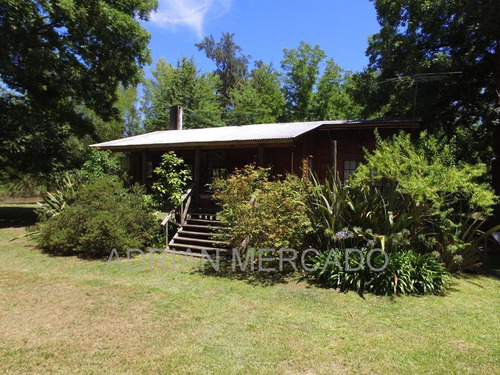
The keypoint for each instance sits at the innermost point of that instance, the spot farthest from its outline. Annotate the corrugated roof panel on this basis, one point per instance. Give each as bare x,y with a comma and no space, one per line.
259,132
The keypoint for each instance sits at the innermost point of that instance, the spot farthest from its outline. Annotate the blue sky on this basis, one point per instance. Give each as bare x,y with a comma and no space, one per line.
264,27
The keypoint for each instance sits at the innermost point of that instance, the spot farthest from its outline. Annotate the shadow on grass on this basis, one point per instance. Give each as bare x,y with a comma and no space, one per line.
252,277
17,216
491,265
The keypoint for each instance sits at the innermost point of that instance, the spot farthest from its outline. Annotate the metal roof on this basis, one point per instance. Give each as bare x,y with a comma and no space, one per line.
225,134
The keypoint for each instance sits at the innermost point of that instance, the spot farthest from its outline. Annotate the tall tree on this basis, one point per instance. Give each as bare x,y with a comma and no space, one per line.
259,99
419,41
181,85
301,68
127,123
231,64
129,112
56,56
333,100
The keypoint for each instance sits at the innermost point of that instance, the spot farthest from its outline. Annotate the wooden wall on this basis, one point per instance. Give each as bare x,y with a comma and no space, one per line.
316,145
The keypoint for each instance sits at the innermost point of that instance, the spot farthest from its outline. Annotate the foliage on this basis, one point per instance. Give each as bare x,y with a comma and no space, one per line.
64,194
104,216
57,57
248,106
129,113
408,197
436,37
301,68
276,219
63,188
28,185
333,100
128,121
258,100
406,272
181,85
428,173
377,215
231,65
266,81
172,177
100,164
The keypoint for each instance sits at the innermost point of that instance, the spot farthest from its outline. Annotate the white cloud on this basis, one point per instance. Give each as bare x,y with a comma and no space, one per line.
190,13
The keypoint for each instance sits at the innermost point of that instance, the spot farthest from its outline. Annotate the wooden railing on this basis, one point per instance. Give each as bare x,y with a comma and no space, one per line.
181,212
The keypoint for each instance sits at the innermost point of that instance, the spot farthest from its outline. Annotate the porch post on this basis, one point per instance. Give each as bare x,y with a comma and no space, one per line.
260,156
144,166
334,157
196,177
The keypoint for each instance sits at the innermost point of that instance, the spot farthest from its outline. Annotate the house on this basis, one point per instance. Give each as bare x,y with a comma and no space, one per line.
286,148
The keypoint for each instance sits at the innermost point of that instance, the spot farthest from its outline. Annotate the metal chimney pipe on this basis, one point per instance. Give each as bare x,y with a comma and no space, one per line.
175,117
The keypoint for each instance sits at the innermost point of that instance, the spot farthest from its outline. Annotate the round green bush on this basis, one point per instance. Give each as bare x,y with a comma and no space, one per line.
104,216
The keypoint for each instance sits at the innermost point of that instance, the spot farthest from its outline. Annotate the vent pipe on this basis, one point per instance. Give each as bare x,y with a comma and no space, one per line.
175,117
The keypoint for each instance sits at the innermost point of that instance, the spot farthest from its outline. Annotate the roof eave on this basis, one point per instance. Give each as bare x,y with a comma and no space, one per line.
193,145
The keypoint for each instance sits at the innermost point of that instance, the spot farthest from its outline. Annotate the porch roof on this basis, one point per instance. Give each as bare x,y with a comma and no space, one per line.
258,133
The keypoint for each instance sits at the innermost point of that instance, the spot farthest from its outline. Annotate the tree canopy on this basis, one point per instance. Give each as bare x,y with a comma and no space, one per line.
439,60
231,64
259,99
300,69
57,57
181,85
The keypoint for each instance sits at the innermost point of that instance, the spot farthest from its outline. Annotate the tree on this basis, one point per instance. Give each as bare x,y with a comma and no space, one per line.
231,64
128,121
181,85
247,106
129,112
333,100
267,83
259,99
301,69
57,56
428,38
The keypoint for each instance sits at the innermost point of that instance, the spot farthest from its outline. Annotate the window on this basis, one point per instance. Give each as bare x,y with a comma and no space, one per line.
349,168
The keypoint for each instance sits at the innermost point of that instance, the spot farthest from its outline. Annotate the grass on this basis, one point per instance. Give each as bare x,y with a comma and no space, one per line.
66,315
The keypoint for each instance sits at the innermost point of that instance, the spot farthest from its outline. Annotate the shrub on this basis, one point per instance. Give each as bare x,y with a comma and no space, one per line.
27,185
100,164
407,272
452,197
277,217
67,185
374,213
172,178
103,217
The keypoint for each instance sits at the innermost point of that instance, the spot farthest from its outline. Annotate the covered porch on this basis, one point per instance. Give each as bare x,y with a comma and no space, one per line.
207,163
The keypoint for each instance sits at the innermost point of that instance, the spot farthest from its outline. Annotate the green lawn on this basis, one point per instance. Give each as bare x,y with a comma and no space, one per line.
66,315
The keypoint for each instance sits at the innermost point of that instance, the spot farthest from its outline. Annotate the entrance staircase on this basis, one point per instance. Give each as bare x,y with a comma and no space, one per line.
195,236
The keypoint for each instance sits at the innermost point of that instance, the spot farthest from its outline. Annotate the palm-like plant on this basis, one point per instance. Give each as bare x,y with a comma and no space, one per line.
63,195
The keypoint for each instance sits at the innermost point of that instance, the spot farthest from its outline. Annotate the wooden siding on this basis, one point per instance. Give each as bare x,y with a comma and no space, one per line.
282,157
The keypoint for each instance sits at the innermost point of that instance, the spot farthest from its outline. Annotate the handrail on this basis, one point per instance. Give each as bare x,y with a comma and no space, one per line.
182,209
185,203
